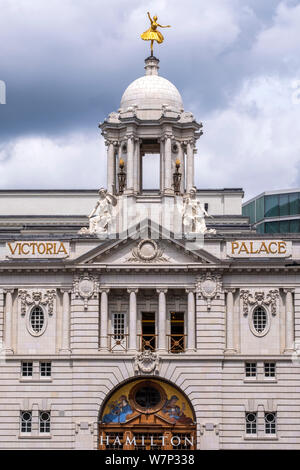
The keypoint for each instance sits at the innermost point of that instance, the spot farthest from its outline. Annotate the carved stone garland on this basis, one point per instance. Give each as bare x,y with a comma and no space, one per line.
209,287
86,287
37,298
260,298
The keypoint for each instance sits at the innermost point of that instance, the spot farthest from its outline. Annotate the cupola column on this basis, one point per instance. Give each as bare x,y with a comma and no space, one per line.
111,167
136,169
189,165
182,166
130,164
168,165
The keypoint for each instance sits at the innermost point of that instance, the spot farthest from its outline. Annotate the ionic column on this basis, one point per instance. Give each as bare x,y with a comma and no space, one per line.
132,319
65,345
230,322
162,309
8,321
168,165
130,165
110,167
191,321
289,320
189,165
103,346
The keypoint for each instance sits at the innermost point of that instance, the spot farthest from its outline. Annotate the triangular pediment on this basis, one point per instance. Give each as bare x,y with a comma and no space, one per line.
147,244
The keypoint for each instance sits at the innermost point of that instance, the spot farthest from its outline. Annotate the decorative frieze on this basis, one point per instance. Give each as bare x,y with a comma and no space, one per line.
209,287
86,287
260,299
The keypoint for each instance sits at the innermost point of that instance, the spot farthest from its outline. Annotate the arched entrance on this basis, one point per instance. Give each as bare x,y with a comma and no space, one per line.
147,414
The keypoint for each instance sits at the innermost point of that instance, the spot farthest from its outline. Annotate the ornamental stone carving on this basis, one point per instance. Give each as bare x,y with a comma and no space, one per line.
36,299
209,287
86,287
102,215
147,251
260,298
146,362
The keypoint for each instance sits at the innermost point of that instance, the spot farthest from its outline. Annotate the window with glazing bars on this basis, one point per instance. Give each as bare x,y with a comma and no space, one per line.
119,325
260,319
27,369
251,423
45,421
270,369
45,369
26,421
270,423
250,369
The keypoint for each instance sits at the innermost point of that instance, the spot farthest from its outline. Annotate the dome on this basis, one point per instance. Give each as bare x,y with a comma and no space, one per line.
152,91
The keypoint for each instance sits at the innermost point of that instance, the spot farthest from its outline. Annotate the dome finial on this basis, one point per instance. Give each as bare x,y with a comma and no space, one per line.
152,34
151,65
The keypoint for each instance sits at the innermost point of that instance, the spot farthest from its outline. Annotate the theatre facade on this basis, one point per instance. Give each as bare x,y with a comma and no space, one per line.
146,319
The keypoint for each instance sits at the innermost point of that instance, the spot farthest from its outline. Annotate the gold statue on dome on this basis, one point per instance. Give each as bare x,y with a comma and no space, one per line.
152,34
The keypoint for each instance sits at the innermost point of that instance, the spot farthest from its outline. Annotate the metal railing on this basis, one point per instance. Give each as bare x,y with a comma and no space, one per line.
176,343
147,342
118,342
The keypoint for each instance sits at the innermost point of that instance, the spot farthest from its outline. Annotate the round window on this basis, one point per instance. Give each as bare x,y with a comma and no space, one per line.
147,397
37,320
259,320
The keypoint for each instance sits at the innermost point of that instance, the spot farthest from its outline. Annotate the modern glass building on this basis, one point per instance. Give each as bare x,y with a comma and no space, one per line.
274,211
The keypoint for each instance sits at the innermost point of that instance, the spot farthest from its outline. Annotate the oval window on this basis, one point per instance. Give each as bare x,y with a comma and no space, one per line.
147,397
37,319
260,320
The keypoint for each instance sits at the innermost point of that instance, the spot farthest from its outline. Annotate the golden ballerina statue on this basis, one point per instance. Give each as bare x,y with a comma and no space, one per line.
152,34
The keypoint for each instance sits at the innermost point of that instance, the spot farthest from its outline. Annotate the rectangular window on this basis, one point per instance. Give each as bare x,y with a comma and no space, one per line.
206,206
284,226
271,205
259,209
272,227
148,331
118,325
27,369
45,369
250,369
45,422
270,369
26,421
251,421
295,226
270,423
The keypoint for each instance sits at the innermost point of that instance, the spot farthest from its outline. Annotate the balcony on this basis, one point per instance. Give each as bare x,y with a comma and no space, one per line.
118,342
176,343
147,341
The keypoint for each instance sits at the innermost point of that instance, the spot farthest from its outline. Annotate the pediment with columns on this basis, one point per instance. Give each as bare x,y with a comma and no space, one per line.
148,245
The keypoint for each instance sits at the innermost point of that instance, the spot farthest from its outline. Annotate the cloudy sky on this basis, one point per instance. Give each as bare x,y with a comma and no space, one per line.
66,64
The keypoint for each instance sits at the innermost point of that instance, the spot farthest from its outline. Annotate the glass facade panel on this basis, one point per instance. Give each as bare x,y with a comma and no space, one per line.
260,228
271,206
294,200
249,211
295,226
284,226
272,227
283,204
259,215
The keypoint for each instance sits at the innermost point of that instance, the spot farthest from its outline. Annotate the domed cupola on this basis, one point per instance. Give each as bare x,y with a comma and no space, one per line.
151,125
151,93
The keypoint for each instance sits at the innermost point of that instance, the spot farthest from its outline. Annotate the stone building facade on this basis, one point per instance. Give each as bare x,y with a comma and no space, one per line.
143,335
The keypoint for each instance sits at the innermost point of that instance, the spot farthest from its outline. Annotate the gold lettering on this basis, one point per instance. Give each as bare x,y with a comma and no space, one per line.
49,248
251,249
33,245
263,248
243,248
270,249
62,249
23,251
234,246
43,246
282,245
11,249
